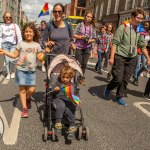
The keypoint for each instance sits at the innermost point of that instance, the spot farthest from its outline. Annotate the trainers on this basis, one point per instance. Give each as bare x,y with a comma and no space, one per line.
24,113
29,103
71,133
43,68
12,75
104,69
106,93
108,77
146,97
8,76
121,102
82,82
58,127
136,82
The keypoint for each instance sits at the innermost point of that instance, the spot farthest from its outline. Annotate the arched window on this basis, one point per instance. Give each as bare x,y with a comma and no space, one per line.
108,7
116,6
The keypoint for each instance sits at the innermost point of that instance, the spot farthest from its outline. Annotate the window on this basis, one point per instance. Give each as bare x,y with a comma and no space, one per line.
101,10
116,6
128,4
145,3
108,7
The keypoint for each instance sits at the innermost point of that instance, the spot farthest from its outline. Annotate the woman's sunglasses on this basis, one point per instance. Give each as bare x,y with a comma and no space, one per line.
54,11
8,17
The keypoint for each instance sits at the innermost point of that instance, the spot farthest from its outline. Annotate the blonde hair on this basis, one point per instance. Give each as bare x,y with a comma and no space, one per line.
4,15
67,71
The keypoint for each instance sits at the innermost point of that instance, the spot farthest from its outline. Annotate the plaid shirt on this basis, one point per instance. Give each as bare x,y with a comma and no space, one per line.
103,42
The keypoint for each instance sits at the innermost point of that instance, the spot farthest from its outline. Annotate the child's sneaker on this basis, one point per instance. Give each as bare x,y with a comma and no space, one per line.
71,133
29,103
58,127
24,113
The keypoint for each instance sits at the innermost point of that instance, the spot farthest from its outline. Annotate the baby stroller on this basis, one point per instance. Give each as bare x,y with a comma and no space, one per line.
52,72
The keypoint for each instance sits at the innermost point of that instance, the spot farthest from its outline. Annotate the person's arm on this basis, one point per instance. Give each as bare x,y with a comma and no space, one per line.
14,55
141,44
112,54
76,33
93,37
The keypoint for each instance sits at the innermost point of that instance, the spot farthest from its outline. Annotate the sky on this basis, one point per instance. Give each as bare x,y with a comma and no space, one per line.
32,8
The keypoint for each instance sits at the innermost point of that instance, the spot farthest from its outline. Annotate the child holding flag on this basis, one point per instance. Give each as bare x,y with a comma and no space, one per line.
27,50
65,101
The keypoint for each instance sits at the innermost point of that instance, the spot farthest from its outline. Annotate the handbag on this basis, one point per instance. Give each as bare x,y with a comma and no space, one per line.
16,38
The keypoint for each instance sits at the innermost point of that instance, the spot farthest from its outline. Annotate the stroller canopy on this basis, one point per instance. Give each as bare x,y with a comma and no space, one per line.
62,59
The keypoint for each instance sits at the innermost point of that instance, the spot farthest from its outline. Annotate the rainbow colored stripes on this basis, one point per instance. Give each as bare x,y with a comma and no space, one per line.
67,90
44,11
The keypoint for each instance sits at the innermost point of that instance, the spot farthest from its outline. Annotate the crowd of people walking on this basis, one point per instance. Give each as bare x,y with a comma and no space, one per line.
127,50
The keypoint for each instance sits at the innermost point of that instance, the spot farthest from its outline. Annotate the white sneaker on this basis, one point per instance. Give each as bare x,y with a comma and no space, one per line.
142,74
8,76
43,69
12,75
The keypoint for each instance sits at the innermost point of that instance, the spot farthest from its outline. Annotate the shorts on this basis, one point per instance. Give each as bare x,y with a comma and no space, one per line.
25,78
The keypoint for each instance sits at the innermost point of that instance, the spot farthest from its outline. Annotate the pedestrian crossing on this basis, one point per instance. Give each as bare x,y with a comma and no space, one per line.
3,79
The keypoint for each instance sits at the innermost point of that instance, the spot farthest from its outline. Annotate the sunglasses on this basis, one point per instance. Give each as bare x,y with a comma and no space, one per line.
8,17
54,11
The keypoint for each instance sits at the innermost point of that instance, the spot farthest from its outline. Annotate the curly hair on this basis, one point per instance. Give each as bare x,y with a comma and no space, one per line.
67,71
138,11
93,17
35,30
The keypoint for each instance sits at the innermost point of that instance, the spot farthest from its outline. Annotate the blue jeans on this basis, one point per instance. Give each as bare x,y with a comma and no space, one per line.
138,66
9,62
99,62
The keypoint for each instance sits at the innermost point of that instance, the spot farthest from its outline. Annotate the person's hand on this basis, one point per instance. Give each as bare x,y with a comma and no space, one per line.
57,89
148,62
82,37
111,61
1,51
73,46
50,43
47,49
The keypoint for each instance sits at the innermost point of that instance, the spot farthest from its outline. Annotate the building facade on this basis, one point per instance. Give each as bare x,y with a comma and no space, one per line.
13,6
117,11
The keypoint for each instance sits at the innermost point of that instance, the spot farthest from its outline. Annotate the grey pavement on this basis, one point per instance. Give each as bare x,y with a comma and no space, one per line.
112,127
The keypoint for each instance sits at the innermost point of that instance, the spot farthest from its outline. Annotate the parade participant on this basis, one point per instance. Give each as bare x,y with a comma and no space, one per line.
27,51
103,41
109,31
147,88
63,102
85,35
144,30
123,55
41,30
10,35
58,33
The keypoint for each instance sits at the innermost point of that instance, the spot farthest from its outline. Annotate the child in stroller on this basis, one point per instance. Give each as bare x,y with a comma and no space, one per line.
62,94
63,101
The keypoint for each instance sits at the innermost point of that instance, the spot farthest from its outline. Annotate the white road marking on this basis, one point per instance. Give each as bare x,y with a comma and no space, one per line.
138,105
11,133
5,81
1,77
90,63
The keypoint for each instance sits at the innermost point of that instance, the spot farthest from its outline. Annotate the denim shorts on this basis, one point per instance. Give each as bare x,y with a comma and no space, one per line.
27,78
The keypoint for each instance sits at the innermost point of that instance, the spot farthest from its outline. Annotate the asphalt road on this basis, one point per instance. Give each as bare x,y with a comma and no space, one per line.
111,126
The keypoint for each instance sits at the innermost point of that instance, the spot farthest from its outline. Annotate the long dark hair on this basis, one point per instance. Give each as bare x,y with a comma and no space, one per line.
61,5
35,30
93,17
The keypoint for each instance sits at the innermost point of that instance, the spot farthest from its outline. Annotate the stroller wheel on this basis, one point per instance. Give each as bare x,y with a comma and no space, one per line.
42,116
86,136
53,135
79,132
45,134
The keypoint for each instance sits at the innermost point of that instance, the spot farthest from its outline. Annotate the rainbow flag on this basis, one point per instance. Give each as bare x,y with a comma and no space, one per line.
44,11
67,91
